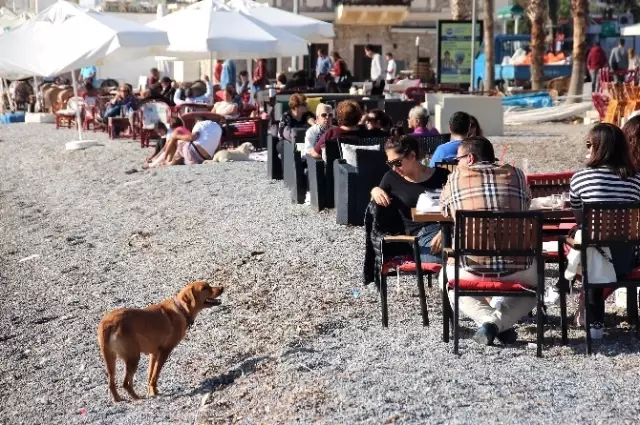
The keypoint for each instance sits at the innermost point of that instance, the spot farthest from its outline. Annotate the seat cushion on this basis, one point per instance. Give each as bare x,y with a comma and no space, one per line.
244,128
634,275
407,265
489,285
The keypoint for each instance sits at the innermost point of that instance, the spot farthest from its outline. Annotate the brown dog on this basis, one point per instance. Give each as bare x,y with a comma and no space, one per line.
155,330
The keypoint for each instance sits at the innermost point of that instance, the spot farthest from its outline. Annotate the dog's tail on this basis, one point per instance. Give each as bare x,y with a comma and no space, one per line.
108,355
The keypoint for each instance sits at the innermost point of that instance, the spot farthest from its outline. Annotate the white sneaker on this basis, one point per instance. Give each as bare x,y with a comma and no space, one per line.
597,330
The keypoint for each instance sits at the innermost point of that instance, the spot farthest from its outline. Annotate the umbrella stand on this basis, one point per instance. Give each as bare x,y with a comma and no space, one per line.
75,94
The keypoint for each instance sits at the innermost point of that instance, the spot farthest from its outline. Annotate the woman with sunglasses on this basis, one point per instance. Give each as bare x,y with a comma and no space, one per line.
402,186
609,177
377,122
324,120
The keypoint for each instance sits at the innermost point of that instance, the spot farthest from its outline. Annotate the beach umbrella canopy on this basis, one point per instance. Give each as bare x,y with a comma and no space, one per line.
312,30
210,28
64,37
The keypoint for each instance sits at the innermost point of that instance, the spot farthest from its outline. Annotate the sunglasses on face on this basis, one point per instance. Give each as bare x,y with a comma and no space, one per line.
326,115
395,162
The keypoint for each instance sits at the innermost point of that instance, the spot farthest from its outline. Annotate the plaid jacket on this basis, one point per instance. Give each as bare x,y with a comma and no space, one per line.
487,187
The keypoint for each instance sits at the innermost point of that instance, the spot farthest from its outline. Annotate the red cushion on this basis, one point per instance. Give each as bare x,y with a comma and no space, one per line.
489,285
407,265
244,128
634,275
533,178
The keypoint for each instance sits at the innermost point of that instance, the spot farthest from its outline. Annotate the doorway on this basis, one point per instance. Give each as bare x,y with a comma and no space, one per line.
361,63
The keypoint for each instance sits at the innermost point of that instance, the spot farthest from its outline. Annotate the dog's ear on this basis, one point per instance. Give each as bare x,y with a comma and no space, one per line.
189,298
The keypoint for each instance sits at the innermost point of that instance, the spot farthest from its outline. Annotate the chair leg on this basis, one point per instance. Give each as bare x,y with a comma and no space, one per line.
539,325
632,305
587,320
446,314
456,327
429,279
421,292
383,301
563,316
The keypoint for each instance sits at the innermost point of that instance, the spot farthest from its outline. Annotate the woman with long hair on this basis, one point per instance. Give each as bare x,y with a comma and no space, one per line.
402,186
610,176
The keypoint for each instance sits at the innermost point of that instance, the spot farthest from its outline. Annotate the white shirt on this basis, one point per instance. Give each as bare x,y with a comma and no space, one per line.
377,65
209,134
391,69
205,98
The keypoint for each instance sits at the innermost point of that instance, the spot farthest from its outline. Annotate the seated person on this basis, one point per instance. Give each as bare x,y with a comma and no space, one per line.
163,134
402,186
461,126
419,122
377,122
242,86
348,115
168,90
123,104
479,184
189,96
281,81
609,177
154,77
324,119
295,118
154,92
227,107
194,147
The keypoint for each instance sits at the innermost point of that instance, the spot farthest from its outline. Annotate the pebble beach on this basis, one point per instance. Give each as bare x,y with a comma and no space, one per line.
298,337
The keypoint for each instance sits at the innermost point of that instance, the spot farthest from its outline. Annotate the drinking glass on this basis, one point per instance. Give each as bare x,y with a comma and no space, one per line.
556,202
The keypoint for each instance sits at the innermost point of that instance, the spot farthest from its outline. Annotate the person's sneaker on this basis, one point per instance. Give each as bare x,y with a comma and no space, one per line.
510,336
596,330
486,334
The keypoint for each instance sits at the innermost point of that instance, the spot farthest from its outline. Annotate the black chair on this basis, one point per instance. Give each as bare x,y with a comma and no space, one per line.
293,168
274,164
398,110
448,165
353,184
491,234
613,225
428,144
321,173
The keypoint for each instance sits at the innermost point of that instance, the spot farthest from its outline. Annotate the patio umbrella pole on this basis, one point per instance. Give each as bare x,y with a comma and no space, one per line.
35,89
75,94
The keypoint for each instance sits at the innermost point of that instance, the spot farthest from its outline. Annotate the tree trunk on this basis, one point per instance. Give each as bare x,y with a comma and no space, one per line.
536,12
553,17
580,12
460,10
489,66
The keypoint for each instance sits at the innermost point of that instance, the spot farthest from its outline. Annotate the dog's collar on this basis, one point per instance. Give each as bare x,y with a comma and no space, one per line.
184,312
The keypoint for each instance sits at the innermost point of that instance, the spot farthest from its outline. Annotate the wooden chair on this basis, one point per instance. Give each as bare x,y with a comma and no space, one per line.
617,104
185,108
66,114
149,113
549,184
605,225
493,234
601,103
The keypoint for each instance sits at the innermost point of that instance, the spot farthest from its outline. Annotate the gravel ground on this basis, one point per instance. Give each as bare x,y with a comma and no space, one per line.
297,340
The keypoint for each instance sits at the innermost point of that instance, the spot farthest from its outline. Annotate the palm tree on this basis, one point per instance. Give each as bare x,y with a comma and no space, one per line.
580,10
460,9
489,54
536,11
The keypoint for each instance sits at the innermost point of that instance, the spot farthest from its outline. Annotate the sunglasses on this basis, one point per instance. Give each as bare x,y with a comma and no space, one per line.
325,115
395,162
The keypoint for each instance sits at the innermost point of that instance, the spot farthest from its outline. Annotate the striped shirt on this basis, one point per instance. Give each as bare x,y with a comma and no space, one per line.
602,185
487,187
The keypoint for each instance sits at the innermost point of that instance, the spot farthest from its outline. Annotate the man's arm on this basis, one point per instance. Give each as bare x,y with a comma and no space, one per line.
209,93
188,137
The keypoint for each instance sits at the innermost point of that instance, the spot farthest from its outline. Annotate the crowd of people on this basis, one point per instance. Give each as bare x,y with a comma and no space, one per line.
612,174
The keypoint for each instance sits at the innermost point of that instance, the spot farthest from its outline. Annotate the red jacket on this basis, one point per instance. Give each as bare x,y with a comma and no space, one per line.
596,58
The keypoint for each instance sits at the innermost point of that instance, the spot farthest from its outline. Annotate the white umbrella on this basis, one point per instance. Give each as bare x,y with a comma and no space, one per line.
209,27
312,30
65,37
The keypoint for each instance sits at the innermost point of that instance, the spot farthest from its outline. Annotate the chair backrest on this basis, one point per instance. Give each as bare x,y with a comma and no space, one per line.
372,166
428,144
75,103
611,223
398,111
185,108
154,111
448,165
549,184
190,119
498,234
